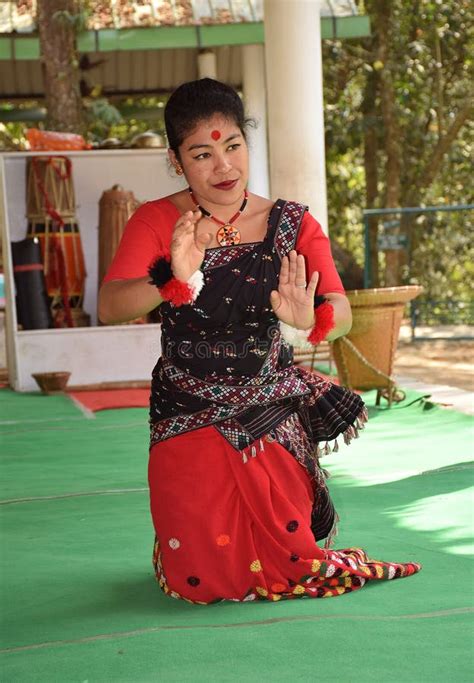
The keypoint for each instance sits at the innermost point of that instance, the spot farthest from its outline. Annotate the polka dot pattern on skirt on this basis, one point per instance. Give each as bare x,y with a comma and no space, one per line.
292,526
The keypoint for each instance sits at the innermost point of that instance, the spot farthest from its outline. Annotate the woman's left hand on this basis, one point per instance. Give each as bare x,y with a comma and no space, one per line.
293,303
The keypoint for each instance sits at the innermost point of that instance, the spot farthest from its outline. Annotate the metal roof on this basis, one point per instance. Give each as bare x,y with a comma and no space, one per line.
20,15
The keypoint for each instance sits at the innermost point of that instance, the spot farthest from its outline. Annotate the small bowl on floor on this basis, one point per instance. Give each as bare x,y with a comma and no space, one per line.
51,382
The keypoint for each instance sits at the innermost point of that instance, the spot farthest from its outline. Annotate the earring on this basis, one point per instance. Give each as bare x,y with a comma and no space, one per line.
178,169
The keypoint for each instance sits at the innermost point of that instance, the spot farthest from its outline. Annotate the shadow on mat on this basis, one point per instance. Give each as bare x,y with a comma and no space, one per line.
391,504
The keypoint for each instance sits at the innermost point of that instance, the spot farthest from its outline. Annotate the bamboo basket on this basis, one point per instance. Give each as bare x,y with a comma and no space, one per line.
364,358
311,357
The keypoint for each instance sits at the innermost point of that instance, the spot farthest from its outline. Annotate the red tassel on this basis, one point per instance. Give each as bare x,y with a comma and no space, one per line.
323,325
177,292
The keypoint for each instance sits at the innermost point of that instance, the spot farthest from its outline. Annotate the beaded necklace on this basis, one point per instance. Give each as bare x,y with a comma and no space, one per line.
228,234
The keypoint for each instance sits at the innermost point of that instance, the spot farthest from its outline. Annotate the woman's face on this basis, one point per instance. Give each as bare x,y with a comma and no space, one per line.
214,158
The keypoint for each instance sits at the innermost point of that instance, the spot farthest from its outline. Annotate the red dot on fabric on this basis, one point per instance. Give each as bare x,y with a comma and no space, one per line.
278,587
215,135
223,539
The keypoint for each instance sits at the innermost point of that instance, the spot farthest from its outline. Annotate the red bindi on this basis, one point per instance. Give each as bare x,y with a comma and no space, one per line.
215,135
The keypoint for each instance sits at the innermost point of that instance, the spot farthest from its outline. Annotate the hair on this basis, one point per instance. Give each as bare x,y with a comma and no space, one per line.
196,101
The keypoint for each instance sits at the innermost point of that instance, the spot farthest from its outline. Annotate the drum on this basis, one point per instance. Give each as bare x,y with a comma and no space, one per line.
115,208
63,259
49,189
32,306
52,221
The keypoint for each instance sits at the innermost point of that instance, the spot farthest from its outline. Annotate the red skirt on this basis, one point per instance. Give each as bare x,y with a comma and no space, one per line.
229,530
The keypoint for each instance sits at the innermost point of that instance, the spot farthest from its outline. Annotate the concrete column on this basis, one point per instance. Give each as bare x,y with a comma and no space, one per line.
207,64
253,81
295,103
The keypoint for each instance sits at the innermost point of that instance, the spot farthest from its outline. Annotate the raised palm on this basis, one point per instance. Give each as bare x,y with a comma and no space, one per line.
293,302
187,246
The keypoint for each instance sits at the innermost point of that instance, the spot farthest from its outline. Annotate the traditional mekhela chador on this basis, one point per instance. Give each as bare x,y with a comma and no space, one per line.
238,496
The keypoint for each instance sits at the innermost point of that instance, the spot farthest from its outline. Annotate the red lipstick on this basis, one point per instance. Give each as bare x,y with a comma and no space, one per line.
226,185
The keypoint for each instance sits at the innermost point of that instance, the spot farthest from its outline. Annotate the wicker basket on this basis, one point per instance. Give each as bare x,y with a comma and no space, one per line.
51,382
310,358
364,358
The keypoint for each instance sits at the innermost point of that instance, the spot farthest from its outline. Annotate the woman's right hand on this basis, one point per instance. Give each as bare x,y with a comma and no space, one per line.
187,246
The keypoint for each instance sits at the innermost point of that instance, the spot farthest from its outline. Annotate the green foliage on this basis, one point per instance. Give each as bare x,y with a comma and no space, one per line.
444,255
430,60
78,20
102,117
133,115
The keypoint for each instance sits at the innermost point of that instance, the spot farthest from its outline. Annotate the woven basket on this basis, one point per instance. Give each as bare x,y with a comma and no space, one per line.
310,358
364,359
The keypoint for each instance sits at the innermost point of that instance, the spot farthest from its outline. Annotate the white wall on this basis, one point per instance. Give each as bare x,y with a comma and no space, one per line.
96,354
144,172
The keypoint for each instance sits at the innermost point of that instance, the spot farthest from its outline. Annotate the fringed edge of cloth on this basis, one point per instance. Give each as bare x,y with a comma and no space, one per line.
350,433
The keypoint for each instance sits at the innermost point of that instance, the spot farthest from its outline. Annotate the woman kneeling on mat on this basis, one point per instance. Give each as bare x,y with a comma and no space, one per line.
238,497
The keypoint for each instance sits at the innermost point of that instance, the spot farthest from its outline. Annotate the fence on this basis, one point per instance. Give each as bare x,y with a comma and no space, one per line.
438,252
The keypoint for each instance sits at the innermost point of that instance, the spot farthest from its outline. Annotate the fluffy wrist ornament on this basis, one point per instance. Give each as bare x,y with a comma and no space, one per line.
307,339
171,289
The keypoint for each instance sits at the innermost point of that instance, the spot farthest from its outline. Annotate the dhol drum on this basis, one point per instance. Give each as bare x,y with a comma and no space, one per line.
63,259
52,220
115,208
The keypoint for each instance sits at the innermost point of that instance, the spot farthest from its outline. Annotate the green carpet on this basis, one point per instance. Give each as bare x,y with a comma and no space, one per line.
80,603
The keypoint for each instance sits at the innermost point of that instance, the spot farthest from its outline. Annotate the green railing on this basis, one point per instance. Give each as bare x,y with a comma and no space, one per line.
440,255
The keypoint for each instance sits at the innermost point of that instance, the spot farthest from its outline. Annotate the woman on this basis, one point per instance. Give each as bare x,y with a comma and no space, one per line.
238,498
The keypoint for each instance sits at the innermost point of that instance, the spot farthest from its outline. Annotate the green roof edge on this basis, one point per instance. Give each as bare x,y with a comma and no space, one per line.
21,47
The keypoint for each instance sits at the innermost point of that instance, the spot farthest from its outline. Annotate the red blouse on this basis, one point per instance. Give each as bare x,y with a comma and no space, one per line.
149,230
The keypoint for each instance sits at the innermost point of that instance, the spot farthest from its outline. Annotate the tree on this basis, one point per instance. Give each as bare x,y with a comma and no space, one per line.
398,107
58,24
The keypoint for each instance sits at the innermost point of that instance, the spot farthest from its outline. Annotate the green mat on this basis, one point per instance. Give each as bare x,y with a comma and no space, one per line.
80,603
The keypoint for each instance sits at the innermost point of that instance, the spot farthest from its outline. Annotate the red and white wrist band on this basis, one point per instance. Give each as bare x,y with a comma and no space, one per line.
171,289
307,339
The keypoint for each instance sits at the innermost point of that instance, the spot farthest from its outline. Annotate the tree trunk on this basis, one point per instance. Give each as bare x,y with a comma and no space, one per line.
60,65
351,273
382,28
369,111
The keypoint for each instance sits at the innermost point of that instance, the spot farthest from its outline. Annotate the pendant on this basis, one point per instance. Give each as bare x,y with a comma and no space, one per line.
227,236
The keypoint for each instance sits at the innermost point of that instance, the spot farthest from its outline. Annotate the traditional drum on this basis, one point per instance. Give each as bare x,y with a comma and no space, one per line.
52,220
32,305
115,208
63,259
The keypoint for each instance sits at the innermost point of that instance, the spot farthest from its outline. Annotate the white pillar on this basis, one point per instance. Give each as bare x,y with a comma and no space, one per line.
295,103
253,82
207,64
